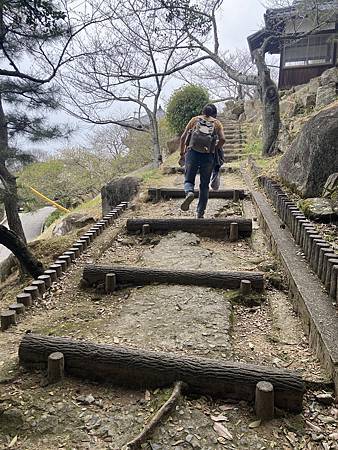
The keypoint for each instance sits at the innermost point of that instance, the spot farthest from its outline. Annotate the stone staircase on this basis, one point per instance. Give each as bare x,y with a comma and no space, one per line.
235,139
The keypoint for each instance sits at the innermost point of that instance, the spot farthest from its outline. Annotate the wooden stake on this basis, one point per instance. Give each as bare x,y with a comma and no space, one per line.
71,254
46,279
264,400
110,283
62,263
19,308
145,229
334,282
56,366
33,291
245,287
25,299
52,274
8,318
236,195
40,284
75,250
329,265
65,258
233,234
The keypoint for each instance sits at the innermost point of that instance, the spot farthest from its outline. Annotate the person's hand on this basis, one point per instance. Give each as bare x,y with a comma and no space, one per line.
181,161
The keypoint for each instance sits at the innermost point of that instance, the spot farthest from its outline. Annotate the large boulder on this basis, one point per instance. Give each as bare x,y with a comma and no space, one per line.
331,187
117,191
320,209
71,222
313,155
173,145
326,95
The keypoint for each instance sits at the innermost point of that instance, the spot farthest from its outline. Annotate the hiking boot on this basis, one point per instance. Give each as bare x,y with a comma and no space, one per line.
187,201
200,215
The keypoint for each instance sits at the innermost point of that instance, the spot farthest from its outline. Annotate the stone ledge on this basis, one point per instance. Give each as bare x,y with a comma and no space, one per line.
312,304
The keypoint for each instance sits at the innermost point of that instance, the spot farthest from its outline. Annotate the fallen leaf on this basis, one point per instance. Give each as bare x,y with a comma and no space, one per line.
13,442
222,431
147,396
255,424
226,407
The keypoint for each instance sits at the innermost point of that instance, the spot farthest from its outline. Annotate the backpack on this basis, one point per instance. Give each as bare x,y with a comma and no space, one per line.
203,136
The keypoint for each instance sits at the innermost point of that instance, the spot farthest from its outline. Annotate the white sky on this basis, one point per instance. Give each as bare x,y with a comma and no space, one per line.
239,19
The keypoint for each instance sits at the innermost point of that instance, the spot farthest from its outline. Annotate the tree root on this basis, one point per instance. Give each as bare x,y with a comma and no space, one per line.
150,427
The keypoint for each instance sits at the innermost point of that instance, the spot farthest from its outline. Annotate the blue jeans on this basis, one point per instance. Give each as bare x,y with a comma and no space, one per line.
205,163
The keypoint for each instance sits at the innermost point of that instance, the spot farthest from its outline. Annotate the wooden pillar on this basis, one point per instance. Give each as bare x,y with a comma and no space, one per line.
56,366
233,234
110,283
8,318
264,400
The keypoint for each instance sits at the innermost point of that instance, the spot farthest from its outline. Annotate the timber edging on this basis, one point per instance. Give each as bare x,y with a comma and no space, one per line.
310,301
156,194
43,284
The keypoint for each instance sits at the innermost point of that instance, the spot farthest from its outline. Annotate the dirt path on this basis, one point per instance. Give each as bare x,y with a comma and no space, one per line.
189,320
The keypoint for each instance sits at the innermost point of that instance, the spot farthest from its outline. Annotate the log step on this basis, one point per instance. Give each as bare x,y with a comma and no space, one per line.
214,228
168,193
143,276
134,368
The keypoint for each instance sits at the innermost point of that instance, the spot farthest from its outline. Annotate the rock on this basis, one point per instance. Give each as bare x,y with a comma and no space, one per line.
320,209
329,76
313,155
69,223
331,187
325,399
252,109
309,101
86,400
117,191
326,95
288,108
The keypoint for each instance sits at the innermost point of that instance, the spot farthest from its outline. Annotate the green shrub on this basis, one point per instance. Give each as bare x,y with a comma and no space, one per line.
55,215
184,104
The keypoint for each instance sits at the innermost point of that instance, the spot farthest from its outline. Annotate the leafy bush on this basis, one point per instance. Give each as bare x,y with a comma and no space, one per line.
184,104
55,215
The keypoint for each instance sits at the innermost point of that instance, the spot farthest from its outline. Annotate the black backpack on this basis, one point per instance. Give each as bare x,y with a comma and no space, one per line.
203,136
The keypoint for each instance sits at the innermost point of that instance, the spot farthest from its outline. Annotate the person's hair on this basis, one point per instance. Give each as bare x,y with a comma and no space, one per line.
210,110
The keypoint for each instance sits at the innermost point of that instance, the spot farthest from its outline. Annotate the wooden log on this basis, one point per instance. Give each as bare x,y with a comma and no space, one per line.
218,228
245,288
233,234
142,276
65,258
52,274
110,283
55,367
84,243
143,369
19,308
33,291
76,251
8,318
46,279
57,268
78,245
168,193
264,400
40,284
71,254
62,263
25,299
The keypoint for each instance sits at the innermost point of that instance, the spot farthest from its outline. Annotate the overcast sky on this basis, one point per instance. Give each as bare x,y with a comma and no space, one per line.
238,19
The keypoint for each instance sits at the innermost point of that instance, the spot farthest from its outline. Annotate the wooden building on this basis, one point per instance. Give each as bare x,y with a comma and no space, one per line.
306,40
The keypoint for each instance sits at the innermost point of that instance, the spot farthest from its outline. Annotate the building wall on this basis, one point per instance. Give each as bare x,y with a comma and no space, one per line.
289,77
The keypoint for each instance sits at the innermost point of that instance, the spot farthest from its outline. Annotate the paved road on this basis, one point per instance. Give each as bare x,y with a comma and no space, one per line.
32,223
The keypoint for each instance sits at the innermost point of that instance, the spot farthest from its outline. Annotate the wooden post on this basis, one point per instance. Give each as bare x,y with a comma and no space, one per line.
8,318
78,245
46,279
235,197
33,291
25,299
52,274
145,229
84,243
40,284
310,240
86,238
245,288
65,258
56,366
71,254
158,196
330,263
233,234
19,308
89,236
264,400
57,268
110,283
327,255
75,250
61,263
319,246
334,282
314,248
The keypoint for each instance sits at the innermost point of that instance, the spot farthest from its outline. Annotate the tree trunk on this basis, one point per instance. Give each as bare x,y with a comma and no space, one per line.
157,156
141,276
20,249
9,191
143,369
216,228
270,100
